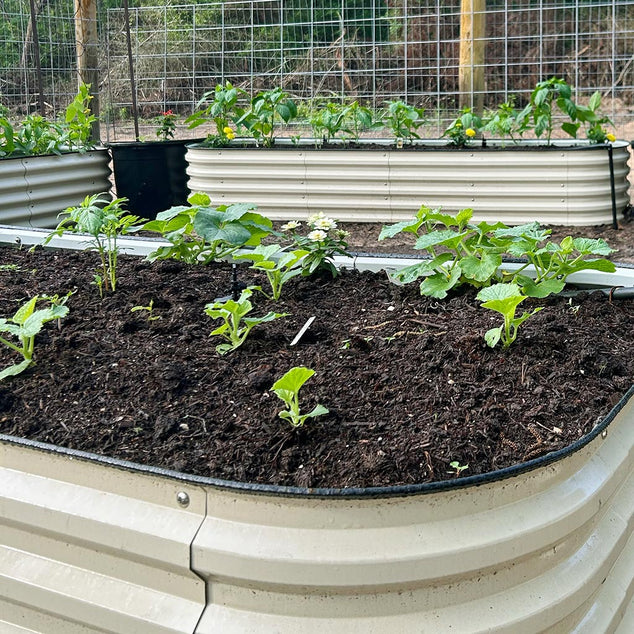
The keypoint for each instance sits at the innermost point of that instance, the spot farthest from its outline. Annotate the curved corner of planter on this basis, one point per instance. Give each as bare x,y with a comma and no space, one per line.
562,184
548,550
35,189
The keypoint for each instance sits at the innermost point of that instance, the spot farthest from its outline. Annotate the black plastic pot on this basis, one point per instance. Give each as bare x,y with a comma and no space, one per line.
151,175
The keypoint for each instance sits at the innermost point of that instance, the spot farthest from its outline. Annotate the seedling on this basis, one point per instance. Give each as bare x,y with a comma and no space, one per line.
104,221
404,120
149,308
457,467
236,326
25,324
504,299
279,265
287,389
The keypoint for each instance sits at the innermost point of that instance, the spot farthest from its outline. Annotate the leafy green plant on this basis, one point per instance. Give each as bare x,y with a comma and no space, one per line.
287,389
323,241
236,325
36,135
200,233
460,252
166,125
221,106
25,325
505,122
328,122
553,262
278,264
403,120
358,119
105,221
78,121
463,128
267,107
504,299
540,110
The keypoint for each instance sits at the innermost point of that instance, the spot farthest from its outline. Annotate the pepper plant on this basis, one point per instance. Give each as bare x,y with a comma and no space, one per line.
25,325
287,389
267,107
403,120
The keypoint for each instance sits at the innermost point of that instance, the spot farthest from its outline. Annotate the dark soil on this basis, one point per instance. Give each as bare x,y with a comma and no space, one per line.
410,384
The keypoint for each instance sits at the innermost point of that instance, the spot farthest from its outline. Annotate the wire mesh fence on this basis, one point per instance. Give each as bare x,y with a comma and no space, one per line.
328,50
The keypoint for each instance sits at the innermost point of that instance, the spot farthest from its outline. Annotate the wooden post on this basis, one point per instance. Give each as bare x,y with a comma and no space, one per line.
87,57
472,47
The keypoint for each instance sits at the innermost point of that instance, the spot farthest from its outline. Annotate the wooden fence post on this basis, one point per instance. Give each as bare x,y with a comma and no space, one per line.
87,56
472,59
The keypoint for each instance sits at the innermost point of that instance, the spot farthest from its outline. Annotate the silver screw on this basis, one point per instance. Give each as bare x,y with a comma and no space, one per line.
604,433
182,498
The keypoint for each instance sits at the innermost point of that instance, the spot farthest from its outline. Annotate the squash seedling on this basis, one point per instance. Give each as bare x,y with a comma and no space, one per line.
25,324
279,265
287,389
236,326
504,299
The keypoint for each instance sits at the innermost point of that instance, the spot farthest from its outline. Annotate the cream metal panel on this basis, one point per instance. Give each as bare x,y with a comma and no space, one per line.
559,186
84,545
34,190
528,554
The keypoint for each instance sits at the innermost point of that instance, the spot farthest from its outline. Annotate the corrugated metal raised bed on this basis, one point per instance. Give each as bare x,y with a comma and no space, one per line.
89,544
35,189
560,184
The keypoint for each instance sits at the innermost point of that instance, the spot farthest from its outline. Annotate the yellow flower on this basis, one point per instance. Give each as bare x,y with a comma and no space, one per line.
229,133
610,137
470,132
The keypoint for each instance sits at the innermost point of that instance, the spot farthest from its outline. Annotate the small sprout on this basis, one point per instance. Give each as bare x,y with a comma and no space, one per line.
287,389
457,467
149,308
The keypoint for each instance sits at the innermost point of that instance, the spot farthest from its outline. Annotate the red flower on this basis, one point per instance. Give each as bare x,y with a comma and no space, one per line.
167,113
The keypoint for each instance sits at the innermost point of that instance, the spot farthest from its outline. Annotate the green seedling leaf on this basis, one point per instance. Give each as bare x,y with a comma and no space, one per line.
546,287
287,389
481,269
438,284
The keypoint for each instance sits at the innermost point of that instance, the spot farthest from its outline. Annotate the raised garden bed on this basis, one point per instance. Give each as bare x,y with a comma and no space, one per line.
527,533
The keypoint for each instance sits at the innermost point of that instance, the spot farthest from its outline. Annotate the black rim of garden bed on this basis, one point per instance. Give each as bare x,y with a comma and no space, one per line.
333,493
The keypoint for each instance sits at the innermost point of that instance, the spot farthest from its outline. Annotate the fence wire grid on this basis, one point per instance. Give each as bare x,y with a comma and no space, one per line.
328,50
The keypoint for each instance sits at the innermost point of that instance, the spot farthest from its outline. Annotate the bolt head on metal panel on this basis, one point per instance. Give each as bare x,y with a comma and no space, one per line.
182,498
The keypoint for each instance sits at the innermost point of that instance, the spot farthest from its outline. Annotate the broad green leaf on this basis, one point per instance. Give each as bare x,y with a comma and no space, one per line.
492,337
435,238
439,284
502,298
25,311
198,199
15,369
236,211
464,216
318,410
592,246
595,101
481,270
413,272
293,379
408,226
541,289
